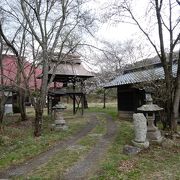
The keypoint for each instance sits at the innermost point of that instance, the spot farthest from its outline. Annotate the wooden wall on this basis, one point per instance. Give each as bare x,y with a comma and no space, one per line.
129,98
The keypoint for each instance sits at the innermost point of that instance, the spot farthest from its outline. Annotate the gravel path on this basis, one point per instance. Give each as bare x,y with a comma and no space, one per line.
84,168
37,161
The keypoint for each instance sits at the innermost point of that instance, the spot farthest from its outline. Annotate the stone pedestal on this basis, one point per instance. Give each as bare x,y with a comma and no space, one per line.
59,123
140,130
144,144
153,133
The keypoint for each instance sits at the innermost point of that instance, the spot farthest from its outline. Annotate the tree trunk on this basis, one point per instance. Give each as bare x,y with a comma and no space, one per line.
176,106
22,106
176,99
2,97
1,111
1,117
169,110
169,94
85,102
38,119
167,65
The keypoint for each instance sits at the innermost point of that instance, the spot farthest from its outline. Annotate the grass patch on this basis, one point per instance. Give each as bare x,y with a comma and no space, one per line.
17,143
109,167
91,139
153,163
55,168
111,109
63,160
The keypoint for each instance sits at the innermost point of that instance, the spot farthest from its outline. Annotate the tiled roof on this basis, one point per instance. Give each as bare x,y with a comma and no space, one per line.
149,62
139,76
70,65
69,69
141,64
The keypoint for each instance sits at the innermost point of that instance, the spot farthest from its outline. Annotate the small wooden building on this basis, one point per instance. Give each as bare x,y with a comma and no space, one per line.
69,77
129,96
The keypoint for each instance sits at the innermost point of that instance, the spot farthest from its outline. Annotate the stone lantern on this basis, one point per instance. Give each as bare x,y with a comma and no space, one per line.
59,123
153,134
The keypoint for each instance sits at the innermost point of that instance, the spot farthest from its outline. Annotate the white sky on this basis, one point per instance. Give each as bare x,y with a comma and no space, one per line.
124,31
113,32
109,30
119,32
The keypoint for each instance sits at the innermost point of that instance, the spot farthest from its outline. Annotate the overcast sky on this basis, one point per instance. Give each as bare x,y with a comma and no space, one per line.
110,31
113,32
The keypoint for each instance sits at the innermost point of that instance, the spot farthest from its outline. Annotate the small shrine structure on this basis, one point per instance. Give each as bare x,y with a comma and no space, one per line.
69,76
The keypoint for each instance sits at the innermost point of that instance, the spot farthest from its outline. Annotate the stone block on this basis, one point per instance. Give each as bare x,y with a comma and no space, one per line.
140,127
131,150
59,128
61,122
143,145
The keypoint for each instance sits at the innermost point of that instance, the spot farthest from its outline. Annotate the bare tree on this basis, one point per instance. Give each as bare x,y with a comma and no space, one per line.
2,96
10,45
16,42
171,25
20,70
176,97
52,27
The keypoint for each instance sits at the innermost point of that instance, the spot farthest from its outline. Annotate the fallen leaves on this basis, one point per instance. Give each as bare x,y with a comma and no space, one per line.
127,165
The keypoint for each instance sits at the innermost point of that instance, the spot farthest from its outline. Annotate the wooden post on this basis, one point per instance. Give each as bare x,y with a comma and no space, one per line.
104,98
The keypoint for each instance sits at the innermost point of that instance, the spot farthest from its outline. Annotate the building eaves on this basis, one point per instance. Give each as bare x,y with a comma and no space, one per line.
139,76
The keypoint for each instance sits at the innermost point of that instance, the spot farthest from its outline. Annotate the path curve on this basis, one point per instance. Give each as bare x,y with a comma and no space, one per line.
35,162
87,166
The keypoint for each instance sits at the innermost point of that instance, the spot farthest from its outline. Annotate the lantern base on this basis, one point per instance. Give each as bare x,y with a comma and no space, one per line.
154,136
143,145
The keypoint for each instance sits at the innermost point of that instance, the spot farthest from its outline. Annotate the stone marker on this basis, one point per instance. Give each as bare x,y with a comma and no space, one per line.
131,150
167,143
140,130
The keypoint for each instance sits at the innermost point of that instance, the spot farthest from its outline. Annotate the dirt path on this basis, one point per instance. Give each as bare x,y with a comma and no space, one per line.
32,164
84,168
